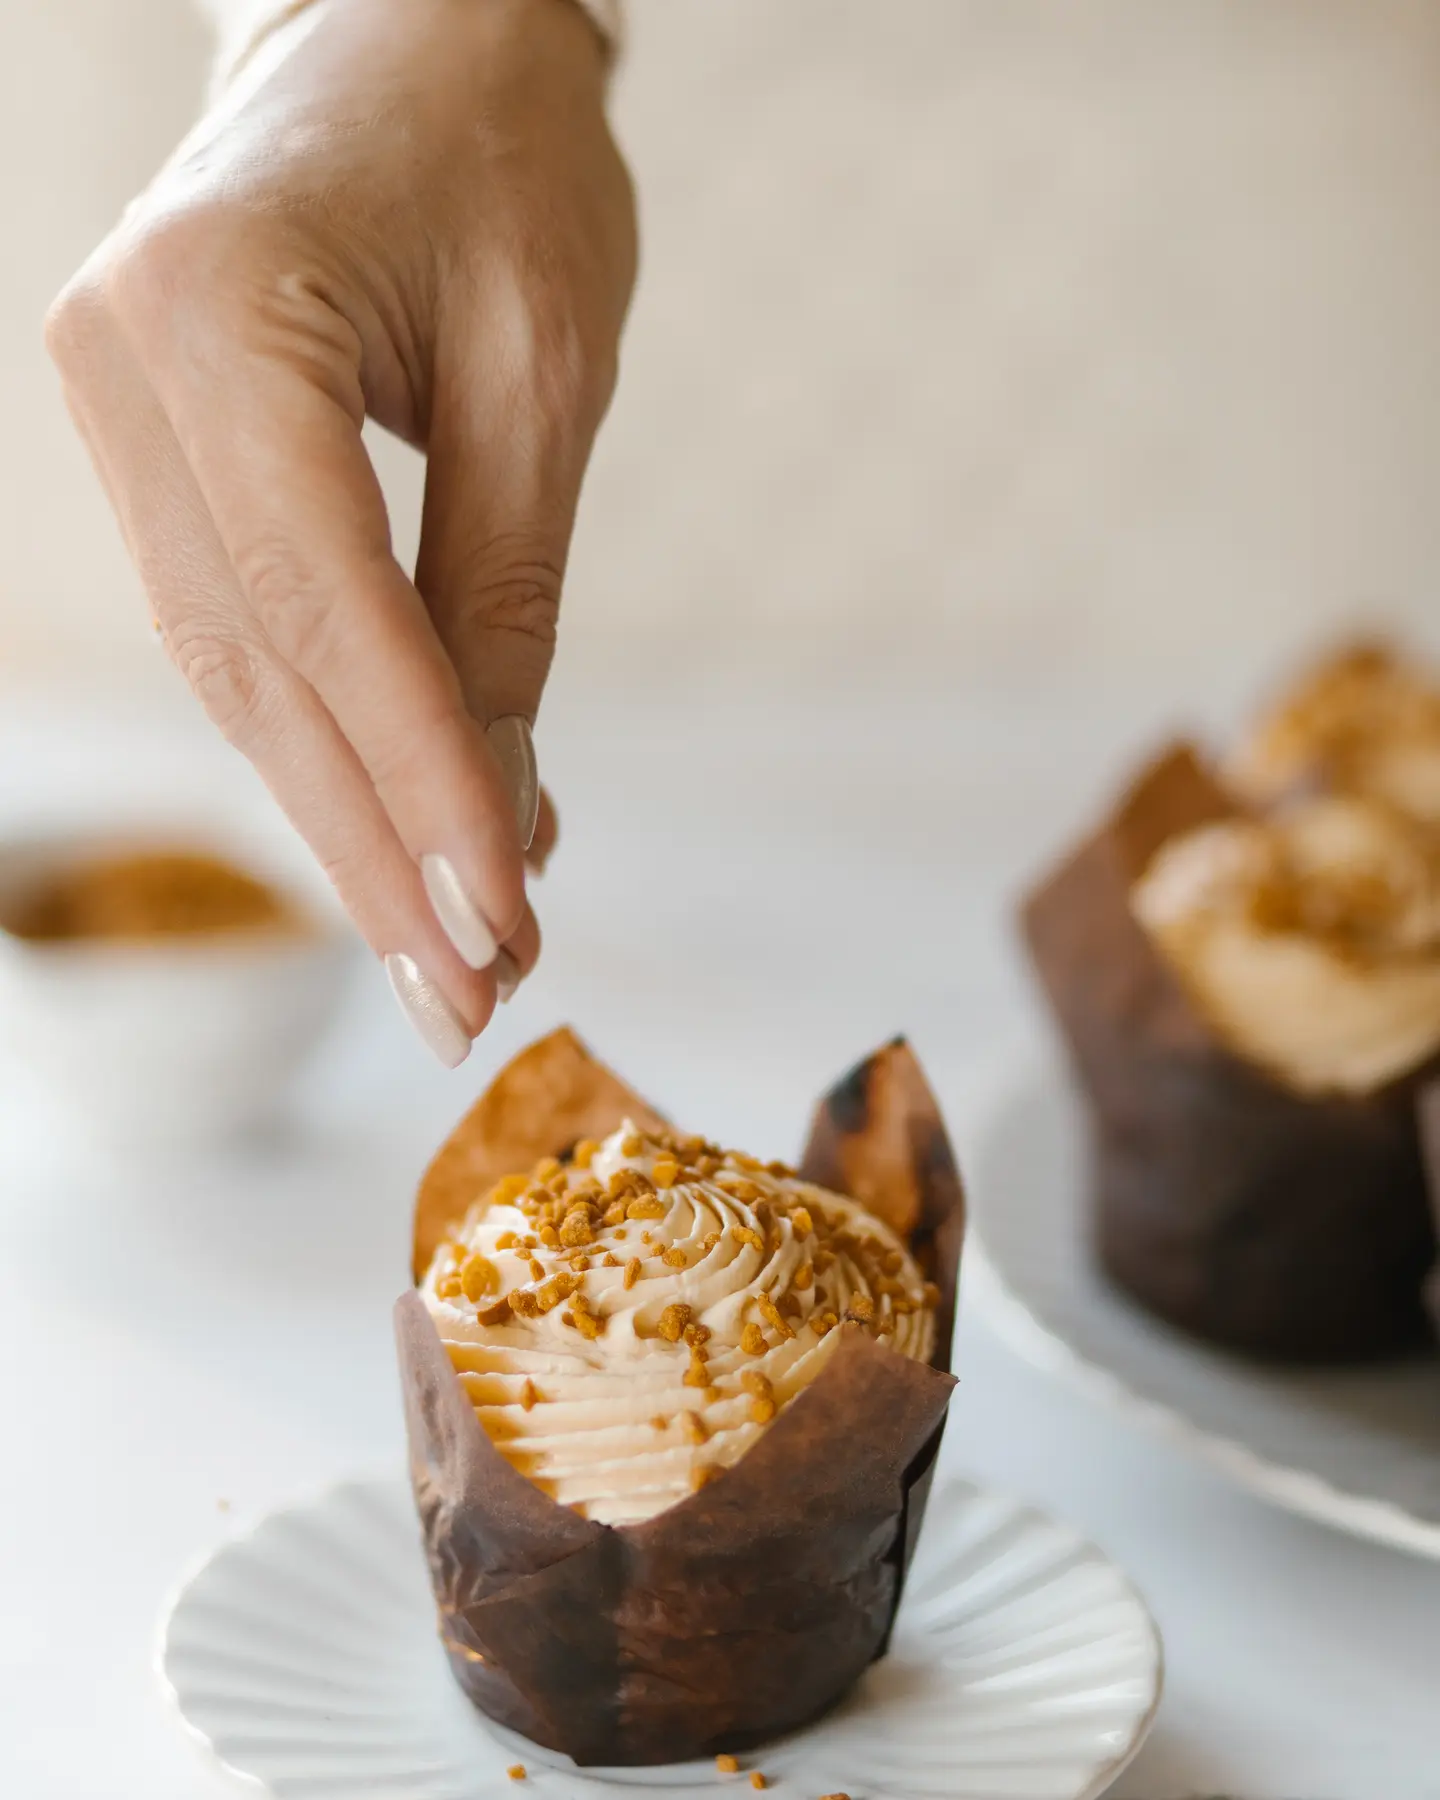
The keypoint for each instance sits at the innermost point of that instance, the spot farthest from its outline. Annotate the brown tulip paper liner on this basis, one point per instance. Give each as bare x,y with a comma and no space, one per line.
1286,1227
1429,1108
753,1605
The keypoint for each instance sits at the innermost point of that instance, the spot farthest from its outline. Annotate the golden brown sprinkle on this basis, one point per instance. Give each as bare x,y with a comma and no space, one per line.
742,1234
584,1153
801,1222
665,1171
672,1323
496,1314
804,1276
694,1428
709,1241
861,1310
585,1321
675,1258
545,1168
448,1287
612,1261
632,1271
757,1780
580,1262
834,1797
578,1229
528,1395
549,1237
697,1375
753,1340
631,1144
762,1411
772,1315
537,1269
615,1213
507,1240
931,1294
524,1305
516,1771
727,1765
646,1206
705,1166
622,1231
696,1335
478,1276
506,1192
660,1422
754,1382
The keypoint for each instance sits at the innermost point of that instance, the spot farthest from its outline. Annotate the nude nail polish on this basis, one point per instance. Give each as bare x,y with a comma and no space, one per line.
427,1009
511,740
507,977
459,917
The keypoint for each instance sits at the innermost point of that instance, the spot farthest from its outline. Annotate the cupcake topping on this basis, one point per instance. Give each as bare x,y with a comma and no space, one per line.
628,1322
1364,722
1311,940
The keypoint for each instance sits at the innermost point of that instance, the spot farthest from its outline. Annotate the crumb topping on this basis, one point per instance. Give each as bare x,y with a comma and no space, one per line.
621,1382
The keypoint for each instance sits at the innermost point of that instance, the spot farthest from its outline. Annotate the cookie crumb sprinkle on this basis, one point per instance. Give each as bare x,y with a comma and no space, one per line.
727,1765
757,1780
516,1771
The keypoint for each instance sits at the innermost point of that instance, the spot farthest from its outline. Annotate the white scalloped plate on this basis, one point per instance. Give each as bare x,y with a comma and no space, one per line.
1358,1449
304,1655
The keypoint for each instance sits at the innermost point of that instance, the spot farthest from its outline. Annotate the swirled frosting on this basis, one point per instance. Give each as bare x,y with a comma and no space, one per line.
1364,722
627,1323
1310,941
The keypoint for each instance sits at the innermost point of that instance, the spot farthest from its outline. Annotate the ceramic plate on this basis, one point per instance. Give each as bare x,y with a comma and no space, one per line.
304,1655
1359,1449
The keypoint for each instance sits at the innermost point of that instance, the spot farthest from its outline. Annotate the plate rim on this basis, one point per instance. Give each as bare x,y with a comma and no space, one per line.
1298,1491
319,1495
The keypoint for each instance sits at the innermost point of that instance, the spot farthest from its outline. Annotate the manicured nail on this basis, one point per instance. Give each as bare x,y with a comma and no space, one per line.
459,918
507,977
428,1011
511,741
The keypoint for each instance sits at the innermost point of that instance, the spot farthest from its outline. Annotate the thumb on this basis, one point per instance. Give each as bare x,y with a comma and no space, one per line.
501,488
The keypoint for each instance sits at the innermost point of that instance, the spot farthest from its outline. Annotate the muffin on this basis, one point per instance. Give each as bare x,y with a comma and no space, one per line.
1252,1004
673,1412
1364,721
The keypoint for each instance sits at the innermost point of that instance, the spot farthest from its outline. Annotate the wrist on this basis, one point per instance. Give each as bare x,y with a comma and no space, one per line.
252,26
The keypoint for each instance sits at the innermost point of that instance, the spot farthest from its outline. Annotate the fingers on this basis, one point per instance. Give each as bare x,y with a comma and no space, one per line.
256,700
285,477
512,421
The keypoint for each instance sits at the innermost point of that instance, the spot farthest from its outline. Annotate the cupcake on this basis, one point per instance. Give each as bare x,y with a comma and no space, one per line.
1251,1004
673,1412
1363,721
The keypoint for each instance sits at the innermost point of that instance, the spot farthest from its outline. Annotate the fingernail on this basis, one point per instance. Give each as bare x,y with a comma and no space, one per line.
536,864
511,741
428,1010
459,919
507,977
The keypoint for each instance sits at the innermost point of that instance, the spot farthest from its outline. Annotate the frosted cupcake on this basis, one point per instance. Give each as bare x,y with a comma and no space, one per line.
1251,1005
673,1411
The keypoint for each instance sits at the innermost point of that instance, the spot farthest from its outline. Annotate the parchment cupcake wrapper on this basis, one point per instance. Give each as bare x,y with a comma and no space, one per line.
1285,1227
752,1606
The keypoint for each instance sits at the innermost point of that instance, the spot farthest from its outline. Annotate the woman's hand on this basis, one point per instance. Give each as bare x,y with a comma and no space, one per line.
413,211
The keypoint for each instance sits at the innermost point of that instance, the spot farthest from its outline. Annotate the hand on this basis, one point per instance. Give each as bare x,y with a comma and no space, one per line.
414,212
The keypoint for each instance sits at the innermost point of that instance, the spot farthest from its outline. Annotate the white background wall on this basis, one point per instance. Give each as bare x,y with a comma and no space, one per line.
989,337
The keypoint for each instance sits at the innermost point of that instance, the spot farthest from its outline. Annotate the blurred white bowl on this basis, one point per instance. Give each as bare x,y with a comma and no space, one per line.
168,1042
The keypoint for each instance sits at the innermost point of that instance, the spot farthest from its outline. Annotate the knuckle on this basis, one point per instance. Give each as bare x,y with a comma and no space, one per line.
227,678
519,595
74,324
163,260
296,613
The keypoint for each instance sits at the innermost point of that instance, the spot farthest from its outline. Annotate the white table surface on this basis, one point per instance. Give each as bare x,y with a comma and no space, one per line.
183,1348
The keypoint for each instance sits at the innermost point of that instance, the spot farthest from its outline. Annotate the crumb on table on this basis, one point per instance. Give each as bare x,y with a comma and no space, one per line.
757,1780
516,1771
727,1765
